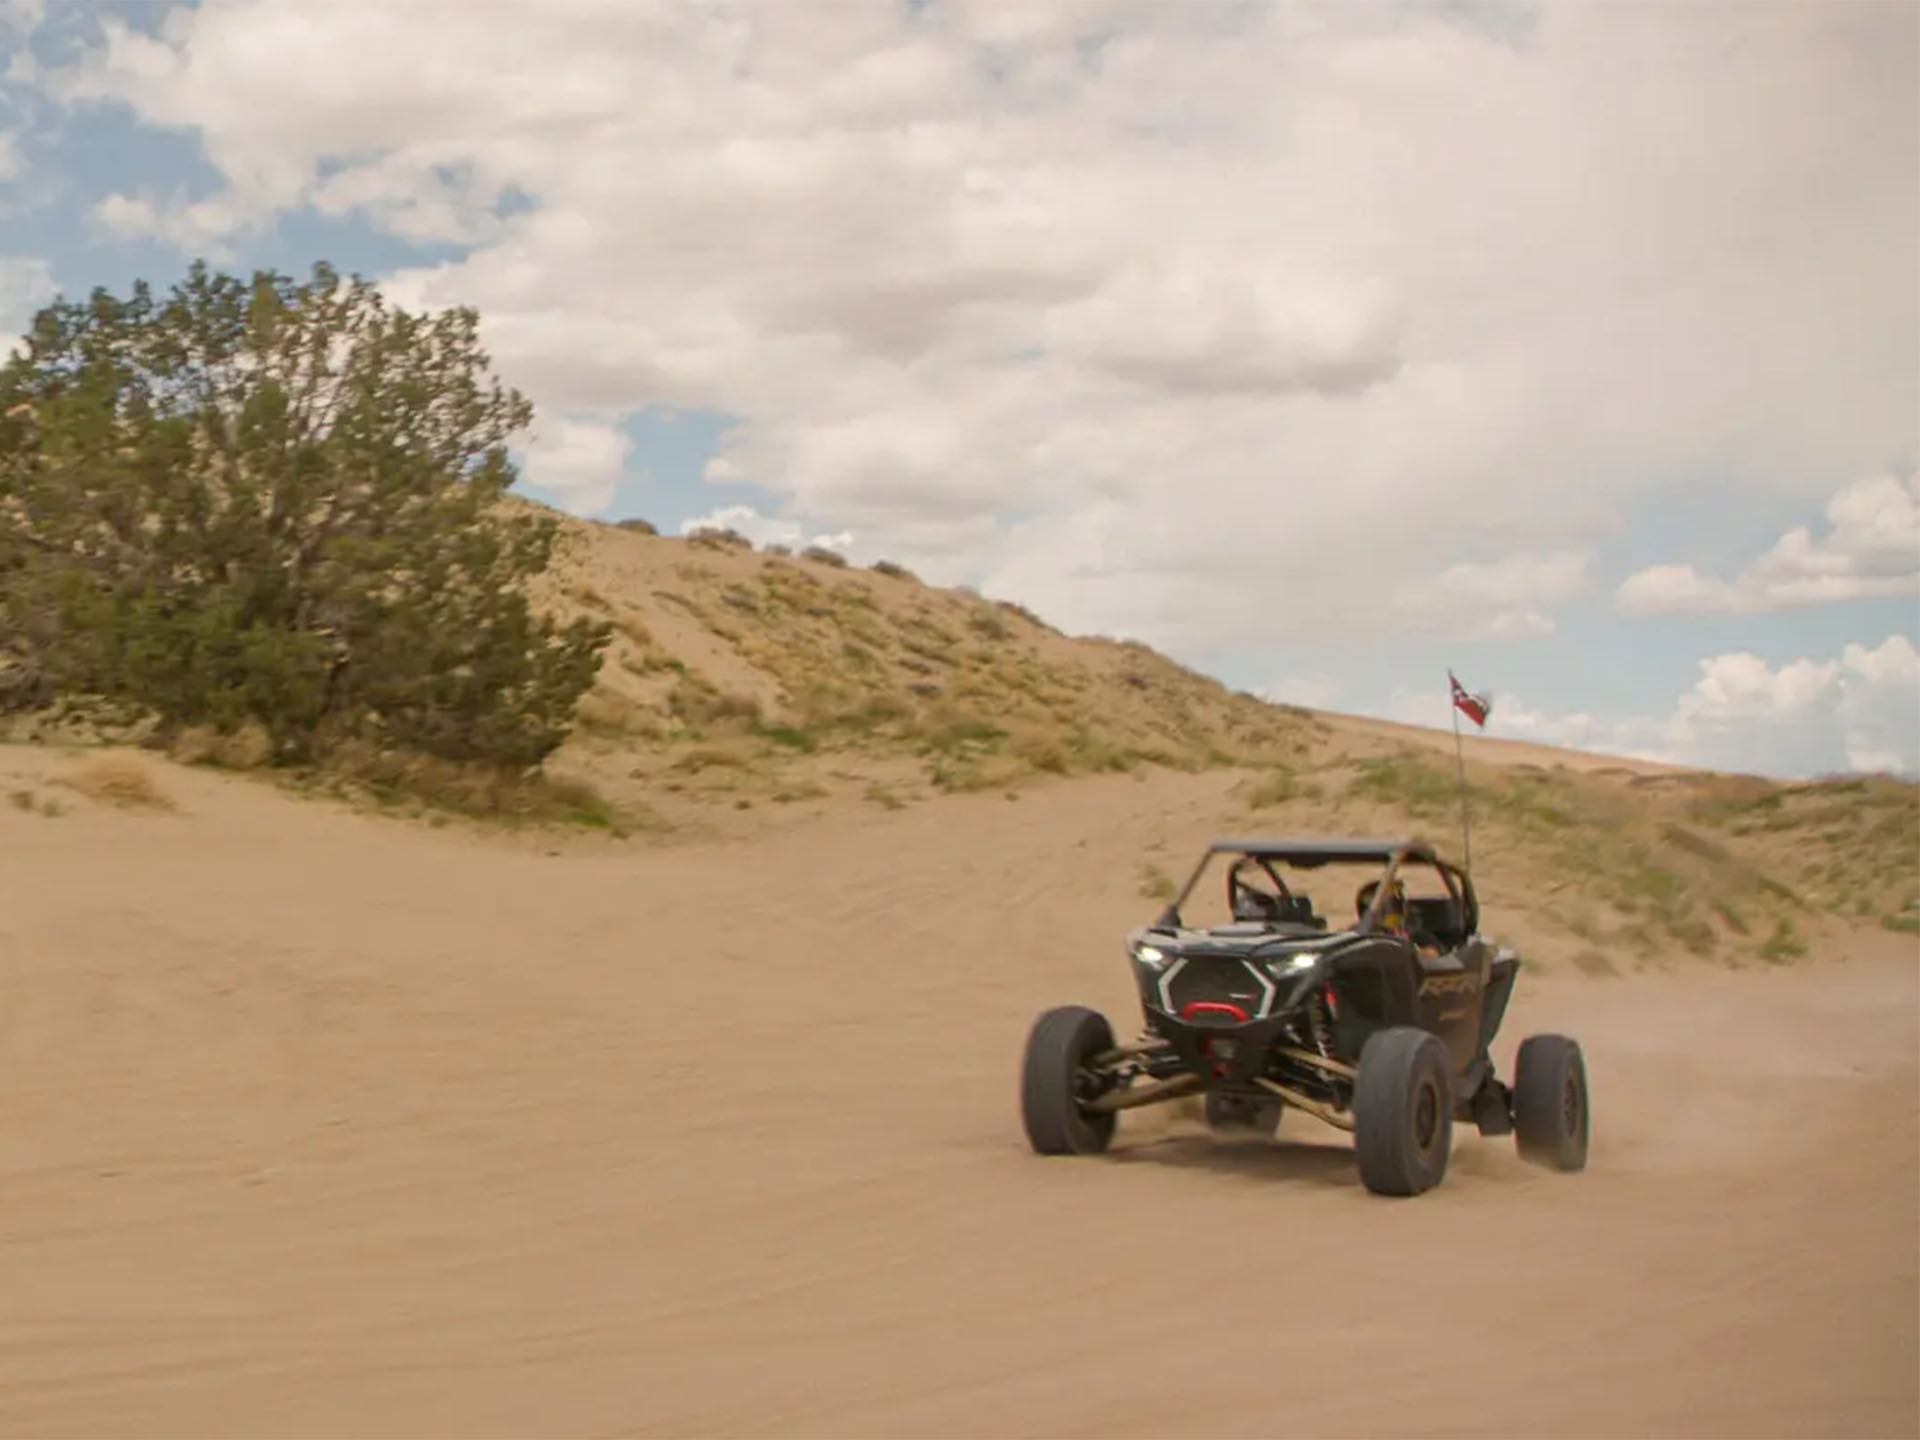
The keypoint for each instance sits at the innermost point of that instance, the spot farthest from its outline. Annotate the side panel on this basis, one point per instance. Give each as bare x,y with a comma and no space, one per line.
1452,993
1501,973
1373,988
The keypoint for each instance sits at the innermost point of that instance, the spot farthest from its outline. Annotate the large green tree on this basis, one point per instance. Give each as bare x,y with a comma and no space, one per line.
262,500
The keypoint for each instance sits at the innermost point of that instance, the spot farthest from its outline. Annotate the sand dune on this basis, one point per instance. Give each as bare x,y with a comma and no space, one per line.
318,1125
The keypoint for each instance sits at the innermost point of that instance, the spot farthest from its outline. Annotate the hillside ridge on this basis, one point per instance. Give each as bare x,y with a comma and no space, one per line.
748,689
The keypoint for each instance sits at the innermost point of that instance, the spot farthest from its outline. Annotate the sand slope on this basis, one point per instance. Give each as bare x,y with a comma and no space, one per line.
316,1125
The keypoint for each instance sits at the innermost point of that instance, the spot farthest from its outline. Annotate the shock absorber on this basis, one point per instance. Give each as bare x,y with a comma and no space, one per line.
1320,1022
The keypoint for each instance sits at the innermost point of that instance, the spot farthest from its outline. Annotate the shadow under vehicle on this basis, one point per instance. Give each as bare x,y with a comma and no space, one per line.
1382,1028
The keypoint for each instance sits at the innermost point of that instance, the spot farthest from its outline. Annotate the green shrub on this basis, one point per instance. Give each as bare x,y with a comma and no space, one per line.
279,503
1783,946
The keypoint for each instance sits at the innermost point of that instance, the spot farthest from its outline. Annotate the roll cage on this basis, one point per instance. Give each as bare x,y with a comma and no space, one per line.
1454,918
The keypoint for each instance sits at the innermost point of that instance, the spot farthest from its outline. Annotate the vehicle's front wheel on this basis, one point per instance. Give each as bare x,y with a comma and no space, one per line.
1230,1113
1550,1116
1402,1112
1055,1083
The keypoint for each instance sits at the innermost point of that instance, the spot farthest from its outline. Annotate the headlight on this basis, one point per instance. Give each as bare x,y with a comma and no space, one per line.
1149,955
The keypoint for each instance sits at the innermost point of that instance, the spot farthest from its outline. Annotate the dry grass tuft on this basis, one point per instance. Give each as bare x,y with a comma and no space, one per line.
479,792
247,748
120,779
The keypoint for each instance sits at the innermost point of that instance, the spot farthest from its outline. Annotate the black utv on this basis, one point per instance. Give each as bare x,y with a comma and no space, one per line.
1382,1027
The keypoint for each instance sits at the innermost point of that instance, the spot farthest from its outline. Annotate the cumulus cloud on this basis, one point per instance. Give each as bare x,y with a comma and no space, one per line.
206,227
1857,712
1508,599
22,16
26,284
580,460
1165,319
1871,548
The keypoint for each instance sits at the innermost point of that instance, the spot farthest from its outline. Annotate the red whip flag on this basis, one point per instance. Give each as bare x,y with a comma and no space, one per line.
1475,707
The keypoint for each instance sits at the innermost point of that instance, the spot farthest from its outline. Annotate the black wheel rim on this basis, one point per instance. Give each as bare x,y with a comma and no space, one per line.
1087,1085
1570,1104
1426,1117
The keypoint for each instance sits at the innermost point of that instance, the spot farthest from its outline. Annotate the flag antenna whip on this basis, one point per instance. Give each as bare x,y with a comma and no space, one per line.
1476,708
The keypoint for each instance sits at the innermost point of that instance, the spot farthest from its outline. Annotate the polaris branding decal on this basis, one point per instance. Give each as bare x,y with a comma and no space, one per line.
1463,984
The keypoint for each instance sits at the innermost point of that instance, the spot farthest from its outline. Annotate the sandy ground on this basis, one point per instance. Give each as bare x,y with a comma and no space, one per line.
314,1125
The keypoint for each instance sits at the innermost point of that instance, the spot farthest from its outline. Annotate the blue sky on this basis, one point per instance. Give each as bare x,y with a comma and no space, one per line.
901,332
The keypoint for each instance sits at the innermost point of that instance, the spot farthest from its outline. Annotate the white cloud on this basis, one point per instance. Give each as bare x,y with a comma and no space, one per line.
1508,599
206,227
26,284
1165,319
1859,712
579,459
1313,690
1871,548
12,163
23,17
765,529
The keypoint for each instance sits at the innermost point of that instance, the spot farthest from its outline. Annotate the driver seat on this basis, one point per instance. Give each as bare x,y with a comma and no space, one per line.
1257,905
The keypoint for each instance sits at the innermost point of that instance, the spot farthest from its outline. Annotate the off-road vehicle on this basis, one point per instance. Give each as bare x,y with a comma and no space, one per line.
1382,1027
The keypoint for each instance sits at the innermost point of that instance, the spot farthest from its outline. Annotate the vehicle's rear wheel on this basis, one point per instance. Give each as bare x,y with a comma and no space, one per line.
1402,1112
1551,1123
1234,1113
1055,1082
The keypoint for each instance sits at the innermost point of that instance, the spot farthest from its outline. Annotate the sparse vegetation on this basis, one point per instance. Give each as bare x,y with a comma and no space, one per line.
1281,785
394,779
718,537
1156,884
1783,946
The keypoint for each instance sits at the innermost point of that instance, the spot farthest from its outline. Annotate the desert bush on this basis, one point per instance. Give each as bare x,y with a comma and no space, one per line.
247,748
1784,946
1156,884
637,525
790,737
476,789
989,625
718,537
277,502
892,570
699,702
820,555
1280,786
117,778
1043,753
1014,607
